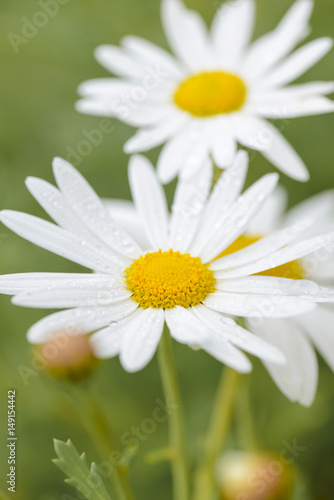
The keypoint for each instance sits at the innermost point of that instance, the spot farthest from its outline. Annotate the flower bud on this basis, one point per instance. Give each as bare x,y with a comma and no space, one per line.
68,357
254,476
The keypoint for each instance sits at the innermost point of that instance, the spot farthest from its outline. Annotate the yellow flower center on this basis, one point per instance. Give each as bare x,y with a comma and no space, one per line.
292,270
209,94
169,279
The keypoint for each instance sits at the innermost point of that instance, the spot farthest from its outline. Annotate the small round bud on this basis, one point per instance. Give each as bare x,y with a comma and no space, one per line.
68,357
254,476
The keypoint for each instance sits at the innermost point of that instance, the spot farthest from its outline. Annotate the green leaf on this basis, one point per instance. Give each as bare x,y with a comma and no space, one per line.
87,481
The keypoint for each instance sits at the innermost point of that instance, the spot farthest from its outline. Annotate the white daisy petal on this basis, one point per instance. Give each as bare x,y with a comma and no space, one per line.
224,194
115,90
61,242
284,157
150,200
141,339
58,208
320,266
298,63
128,109
80,321
195,160
147,115
101,303
286,254
224,144
263,68
105,87
92,292
226,353
124,213
256,306
96,107
106,343
265,246
228,229
189,202
185,327
232,30
91,211
270,216
118,62
299,377
227,328
319,207
294,109
12,284
174,153
263,136
133,113
165,66
291,93
270,285
130,112
319,326
151,137
272,47
187,35
54,204
280,103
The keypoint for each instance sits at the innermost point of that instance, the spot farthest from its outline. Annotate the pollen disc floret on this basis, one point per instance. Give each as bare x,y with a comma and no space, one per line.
209,94
169,279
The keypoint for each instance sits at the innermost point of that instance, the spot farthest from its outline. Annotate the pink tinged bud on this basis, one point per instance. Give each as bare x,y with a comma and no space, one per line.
68,357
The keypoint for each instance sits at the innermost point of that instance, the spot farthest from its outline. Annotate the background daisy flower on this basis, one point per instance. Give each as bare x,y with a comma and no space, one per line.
218,90
299,336
178,279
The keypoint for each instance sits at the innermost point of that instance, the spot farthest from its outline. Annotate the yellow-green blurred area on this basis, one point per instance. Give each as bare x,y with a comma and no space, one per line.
38,122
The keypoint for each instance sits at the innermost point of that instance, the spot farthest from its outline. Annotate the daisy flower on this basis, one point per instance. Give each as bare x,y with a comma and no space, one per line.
298,337
133,291
218,90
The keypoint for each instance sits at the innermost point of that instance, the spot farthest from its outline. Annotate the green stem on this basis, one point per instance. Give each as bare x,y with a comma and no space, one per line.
216,435
245,431
98,427
176,420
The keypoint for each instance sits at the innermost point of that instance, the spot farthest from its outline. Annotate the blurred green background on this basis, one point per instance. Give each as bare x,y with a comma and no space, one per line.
38,122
